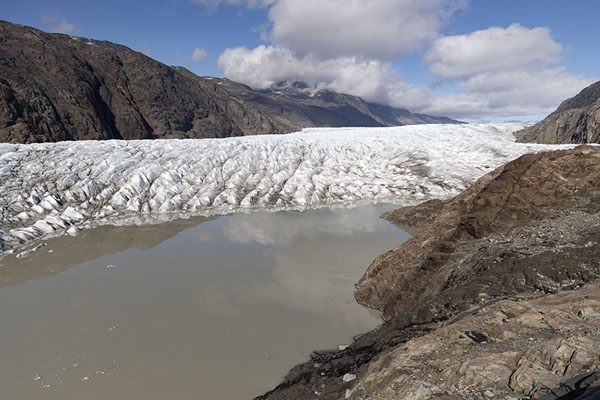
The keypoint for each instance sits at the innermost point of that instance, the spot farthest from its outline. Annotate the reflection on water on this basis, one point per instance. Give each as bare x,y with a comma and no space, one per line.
67,251
218,310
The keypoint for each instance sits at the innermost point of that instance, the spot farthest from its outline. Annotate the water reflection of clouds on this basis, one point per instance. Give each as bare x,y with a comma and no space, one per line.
284,227
317,257
212,303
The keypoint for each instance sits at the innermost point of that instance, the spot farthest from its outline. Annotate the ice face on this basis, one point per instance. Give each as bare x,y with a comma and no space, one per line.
49,189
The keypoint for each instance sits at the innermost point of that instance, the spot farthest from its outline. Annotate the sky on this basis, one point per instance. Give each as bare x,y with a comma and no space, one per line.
476,60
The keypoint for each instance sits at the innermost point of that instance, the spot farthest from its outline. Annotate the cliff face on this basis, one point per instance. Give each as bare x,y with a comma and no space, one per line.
56,87
576,120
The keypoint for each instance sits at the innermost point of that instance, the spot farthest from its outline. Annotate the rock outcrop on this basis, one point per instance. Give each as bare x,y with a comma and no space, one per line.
508,349
56,87
576,120
525,190
495,297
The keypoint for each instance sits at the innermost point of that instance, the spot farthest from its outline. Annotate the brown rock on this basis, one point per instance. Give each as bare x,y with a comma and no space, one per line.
527,189
533,358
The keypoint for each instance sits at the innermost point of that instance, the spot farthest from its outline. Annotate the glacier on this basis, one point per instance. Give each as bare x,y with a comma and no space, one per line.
54,188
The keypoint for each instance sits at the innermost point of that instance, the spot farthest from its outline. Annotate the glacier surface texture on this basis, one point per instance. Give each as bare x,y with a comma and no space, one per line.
52,188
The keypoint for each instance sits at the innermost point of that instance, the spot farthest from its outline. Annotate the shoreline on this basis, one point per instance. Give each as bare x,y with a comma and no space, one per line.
505,239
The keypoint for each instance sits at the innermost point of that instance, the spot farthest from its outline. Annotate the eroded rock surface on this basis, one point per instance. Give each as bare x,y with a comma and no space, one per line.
508,349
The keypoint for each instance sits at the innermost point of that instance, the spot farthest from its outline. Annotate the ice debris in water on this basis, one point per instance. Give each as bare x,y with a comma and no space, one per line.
49,188
28,252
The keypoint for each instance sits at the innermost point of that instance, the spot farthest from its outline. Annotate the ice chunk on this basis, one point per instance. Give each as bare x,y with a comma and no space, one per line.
72,214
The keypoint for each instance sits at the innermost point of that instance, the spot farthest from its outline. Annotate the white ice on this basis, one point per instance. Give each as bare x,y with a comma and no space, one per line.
53,188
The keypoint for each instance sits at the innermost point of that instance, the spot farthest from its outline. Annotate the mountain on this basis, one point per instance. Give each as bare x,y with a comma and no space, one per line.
57,87
309,107
576,120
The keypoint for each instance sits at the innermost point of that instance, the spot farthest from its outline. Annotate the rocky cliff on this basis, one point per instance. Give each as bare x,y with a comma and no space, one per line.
57,87
576,120
485,301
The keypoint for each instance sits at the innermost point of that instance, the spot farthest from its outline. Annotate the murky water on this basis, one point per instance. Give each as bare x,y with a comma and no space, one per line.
195,309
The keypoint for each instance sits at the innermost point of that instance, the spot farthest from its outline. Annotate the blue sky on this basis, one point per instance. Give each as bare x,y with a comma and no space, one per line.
517,59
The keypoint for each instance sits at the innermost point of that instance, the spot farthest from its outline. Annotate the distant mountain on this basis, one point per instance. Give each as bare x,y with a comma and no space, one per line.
56,87
576,120
327,108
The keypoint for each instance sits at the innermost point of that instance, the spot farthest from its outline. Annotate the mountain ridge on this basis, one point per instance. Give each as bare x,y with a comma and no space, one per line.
576,120
58,87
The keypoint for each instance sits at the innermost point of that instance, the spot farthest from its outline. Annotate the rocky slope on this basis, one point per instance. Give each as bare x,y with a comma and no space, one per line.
576,120
56,87
523,190
485,301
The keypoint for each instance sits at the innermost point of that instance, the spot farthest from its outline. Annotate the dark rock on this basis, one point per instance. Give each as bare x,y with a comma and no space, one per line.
56,87
576,120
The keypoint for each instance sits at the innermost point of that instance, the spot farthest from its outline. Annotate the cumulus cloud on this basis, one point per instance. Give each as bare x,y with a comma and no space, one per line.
59,24
265,65
379,29
506,93
350,46
502,71
198,54
509,92
491,50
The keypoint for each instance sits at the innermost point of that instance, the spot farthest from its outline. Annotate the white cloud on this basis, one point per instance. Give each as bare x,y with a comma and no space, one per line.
214,4
501,93
502,71
58,24
198,54
493,49
508,93
379,29
349,46
373,80
265,65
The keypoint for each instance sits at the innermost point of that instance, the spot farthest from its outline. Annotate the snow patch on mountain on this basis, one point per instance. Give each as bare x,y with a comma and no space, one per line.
53,188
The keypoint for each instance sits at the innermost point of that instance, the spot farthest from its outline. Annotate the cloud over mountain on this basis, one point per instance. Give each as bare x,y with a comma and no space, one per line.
353,47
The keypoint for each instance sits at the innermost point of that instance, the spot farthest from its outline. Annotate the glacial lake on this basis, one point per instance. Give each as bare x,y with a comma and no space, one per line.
215,308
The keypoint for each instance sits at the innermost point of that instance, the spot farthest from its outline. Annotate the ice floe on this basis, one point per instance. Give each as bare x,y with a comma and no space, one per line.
53,188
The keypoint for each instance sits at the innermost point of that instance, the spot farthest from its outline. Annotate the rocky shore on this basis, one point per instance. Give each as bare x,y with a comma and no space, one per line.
496,296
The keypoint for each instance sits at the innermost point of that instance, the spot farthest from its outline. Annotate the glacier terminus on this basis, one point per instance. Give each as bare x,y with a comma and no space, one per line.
53,188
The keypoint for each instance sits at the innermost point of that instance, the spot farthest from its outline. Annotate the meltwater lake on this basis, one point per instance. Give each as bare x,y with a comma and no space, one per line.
215,308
